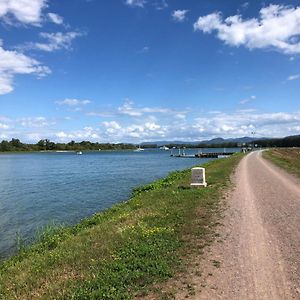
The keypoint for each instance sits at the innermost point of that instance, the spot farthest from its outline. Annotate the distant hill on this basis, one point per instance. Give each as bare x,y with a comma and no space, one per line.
244,139
219,140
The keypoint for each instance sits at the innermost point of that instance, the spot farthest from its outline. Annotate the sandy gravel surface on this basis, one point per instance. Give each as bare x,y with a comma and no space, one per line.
258,253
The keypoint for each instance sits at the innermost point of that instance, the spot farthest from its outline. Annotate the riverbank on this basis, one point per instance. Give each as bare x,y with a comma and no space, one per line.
286,158
125,251
65,151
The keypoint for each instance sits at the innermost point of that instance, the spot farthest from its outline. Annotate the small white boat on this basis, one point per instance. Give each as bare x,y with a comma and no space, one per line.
164,148
139,149
79,153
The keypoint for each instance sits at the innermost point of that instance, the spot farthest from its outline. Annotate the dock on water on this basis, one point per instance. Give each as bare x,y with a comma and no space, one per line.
202,154
213,154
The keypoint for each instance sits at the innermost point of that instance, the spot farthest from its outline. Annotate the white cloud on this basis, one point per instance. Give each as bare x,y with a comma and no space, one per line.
206,126
73,102
6,83
241,123
180,116
179,15
278,27
195,127
244,101
3,126
112,127
13,63
133,132
137,3
24,11
55,18
128,109
87,133
160,4
54,41
37,122
293,77
157,4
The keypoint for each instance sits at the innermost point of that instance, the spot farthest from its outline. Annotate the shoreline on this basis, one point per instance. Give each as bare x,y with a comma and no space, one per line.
63,151
157,214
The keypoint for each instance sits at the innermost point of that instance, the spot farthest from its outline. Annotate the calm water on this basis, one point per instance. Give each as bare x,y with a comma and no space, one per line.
39,188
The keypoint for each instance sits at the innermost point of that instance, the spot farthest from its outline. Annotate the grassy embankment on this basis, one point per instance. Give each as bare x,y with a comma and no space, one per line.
286,158
125,251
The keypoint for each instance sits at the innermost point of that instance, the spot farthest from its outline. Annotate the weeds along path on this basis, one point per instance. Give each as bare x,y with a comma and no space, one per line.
258,254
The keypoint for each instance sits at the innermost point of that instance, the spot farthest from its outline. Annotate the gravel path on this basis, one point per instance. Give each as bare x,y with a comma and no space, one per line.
258,254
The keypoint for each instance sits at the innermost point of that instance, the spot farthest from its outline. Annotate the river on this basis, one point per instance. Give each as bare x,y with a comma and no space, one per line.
40,188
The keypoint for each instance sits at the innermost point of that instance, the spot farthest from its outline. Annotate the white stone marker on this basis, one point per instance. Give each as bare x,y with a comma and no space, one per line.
198,177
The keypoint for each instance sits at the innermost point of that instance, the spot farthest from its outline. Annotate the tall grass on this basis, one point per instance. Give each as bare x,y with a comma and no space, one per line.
286,158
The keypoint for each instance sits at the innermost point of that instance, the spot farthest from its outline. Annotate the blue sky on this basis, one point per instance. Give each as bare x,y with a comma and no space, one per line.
147,70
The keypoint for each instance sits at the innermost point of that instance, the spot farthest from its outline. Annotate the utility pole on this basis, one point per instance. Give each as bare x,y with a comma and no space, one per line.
253,133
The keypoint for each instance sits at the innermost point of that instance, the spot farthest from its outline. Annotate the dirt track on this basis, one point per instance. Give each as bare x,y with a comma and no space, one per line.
258,255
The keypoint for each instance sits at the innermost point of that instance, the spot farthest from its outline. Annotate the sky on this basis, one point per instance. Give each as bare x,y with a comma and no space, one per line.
148,70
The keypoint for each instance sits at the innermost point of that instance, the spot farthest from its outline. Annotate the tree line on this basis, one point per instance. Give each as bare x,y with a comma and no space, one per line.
46,145
289,141
15,145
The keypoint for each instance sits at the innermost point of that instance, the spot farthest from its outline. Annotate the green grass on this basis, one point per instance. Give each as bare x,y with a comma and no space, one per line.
124,251
286,158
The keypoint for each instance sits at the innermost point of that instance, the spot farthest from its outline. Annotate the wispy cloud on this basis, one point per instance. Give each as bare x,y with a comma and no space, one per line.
4,126
277,28
179,15
136,3
145,49
38,122
293,77
55,18
157,4
73,102
129,109
245,5
54,41
244,101
160,4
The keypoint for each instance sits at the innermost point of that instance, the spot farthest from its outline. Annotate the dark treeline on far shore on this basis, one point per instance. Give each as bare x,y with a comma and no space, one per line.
289,141
204,145
46,145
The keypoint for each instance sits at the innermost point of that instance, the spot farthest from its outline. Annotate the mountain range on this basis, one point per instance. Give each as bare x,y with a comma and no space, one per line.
218,140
